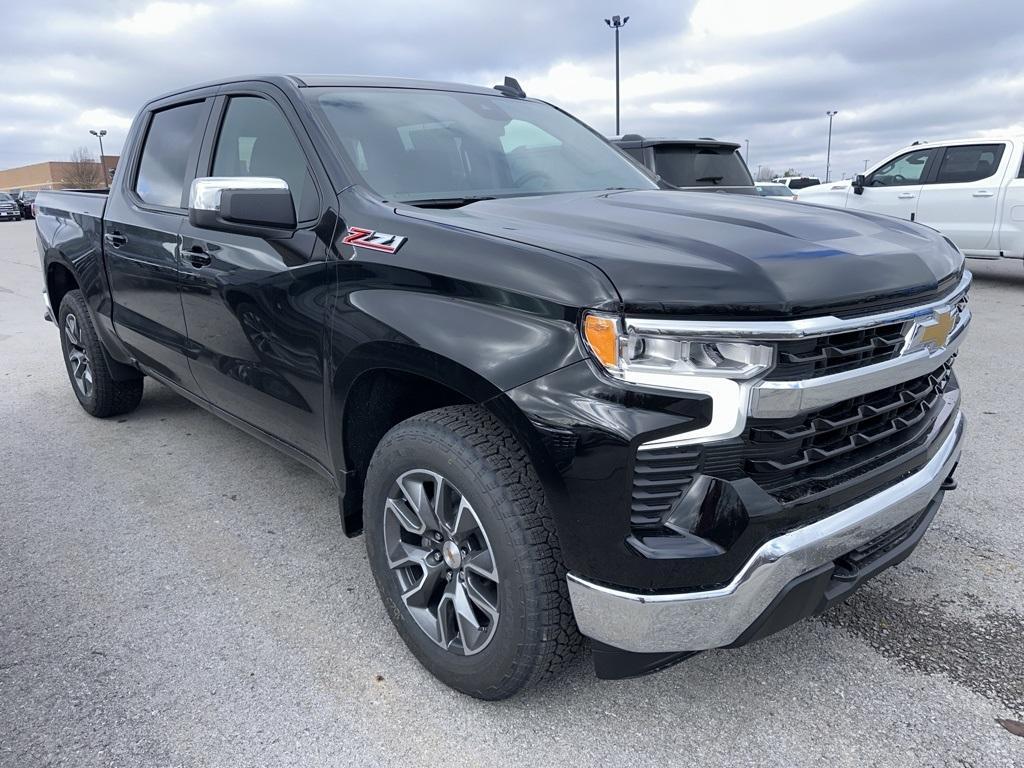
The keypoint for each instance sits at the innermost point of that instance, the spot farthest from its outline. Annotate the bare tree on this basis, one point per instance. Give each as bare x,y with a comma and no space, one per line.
766,173
82,172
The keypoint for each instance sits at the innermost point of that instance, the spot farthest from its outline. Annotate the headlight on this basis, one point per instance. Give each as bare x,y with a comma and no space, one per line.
662,358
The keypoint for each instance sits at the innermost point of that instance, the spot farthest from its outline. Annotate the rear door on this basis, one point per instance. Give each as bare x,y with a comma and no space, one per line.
895,187
962,200
141,245
255,306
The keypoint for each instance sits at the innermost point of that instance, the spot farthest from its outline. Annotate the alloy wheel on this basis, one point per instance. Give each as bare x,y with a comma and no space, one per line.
81,369
438,550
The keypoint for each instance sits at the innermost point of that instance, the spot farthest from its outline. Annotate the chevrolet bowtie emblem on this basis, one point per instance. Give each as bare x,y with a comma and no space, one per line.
936,331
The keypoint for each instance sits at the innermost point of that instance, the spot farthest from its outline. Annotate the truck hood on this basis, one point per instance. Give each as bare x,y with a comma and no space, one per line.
688,252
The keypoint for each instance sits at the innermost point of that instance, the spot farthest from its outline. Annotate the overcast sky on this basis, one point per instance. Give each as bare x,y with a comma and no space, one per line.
765,70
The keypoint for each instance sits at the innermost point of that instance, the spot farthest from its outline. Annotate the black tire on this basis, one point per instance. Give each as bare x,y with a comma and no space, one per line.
534,635
97,391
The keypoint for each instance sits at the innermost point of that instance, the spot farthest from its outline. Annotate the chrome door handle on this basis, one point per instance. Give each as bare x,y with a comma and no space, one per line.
981,193
115,239
905,195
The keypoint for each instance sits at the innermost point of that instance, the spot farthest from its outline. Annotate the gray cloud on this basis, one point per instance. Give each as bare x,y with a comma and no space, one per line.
896,71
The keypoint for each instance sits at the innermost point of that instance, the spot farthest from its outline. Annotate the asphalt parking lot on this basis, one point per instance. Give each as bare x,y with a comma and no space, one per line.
173,592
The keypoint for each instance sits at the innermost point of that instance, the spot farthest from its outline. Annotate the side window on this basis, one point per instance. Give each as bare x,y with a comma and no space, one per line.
907,169
971,163
256,140
164,164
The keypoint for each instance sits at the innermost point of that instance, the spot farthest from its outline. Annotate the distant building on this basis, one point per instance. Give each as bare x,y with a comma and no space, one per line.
50,175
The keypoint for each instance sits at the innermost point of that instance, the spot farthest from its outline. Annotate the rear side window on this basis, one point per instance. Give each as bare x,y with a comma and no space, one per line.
691,166
256,140
970,163
164,165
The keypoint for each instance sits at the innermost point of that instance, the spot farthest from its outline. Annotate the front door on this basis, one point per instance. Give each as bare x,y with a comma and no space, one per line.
895,187
141,241
962,200
255,307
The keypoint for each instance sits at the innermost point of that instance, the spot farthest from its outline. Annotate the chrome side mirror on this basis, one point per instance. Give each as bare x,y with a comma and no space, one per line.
243,204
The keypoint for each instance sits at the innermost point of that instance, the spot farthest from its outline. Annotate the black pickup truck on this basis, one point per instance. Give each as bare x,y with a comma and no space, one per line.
560,401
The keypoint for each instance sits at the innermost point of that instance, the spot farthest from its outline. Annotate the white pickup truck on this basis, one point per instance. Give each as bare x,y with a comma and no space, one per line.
971,190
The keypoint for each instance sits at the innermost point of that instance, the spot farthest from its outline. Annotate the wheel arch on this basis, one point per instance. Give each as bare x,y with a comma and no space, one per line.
383,384
60,279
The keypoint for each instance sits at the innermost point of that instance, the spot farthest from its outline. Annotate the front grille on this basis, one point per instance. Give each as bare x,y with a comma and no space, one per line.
836,352
660,477
796,457
793,459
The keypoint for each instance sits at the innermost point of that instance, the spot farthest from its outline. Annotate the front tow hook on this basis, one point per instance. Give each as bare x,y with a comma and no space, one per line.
949,484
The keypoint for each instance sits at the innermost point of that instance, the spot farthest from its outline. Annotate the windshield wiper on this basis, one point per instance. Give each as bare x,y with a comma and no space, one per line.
446,202
712,179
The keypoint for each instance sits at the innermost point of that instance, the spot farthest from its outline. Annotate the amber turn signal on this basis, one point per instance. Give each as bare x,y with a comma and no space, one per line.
602,335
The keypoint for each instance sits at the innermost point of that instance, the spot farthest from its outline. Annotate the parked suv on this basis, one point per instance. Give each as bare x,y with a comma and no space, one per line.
557,400
704,165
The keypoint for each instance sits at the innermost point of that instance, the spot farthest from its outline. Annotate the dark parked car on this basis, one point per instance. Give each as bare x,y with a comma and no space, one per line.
705,165
9,210
559,400
25,200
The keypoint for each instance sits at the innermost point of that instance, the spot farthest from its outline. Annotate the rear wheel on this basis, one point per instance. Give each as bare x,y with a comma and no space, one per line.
465,555
97,391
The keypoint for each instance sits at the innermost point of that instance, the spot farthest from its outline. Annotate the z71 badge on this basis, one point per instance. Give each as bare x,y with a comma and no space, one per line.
375,241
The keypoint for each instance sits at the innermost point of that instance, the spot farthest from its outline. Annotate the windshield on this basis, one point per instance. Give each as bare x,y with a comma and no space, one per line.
4,197
413,145
696,166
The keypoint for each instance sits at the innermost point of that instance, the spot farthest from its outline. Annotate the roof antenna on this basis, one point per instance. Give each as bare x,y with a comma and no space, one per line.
511,87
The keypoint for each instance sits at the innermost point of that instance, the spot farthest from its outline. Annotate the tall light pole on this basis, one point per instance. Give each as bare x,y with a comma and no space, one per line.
616,23
828,153
103,166
746,152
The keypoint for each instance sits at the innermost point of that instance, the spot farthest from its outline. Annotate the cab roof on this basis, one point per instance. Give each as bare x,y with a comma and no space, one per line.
317,81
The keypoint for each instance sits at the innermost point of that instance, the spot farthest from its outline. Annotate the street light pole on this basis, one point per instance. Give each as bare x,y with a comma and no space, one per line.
103,166
616,23
828,153
746,153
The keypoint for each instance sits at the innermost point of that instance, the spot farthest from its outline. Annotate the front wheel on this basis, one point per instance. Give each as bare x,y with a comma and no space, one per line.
465,555
98,392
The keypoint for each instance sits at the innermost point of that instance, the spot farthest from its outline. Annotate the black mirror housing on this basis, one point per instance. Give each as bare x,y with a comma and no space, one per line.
258,207
858,184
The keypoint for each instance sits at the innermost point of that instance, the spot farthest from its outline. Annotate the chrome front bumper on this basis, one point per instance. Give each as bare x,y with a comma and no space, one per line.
694,621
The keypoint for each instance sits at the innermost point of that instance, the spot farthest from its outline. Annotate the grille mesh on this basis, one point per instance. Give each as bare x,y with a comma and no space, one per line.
789,458
837,352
